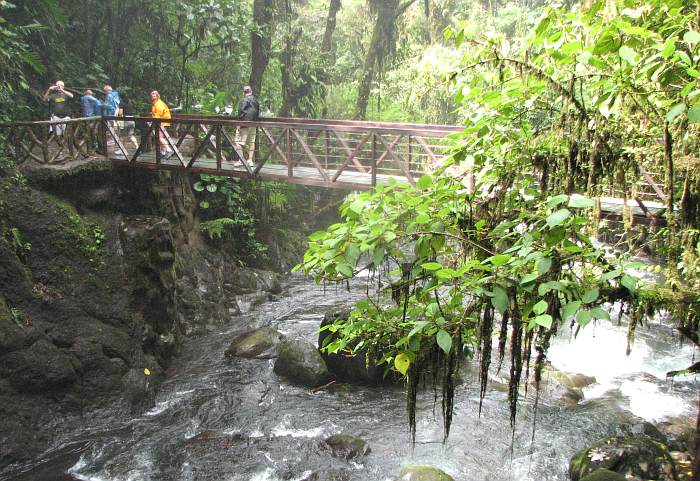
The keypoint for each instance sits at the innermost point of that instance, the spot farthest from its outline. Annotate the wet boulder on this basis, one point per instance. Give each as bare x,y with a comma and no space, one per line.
557,387
259,343
423,473
347,447
349,369
604,475
639,456
301,363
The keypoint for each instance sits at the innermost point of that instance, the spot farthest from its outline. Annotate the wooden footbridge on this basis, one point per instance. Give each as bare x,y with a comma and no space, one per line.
330,153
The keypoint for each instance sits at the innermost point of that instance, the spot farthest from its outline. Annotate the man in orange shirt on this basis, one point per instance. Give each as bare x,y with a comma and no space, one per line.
160,110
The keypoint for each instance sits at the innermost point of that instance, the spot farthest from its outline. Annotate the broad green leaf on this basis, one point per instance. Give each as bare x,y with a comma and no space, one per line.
344,269
211,188
425,182
544,320
556,200
499,260
526,279
555,236
675,111
694,113
389,236
544,265
198,186
447,274
402,363
599,313
629,282
500,299
558,217
590,295
629,55
378,256
417,328
611,274
581,202
583,317
423,218
431,266
540,307
444,340
570,309
692,37
669,47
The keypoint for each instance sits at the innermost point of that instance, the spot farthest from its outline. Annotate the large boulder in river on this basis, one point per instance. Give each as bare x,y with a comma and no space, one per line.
301,363
639,456
259,343
604,475
346,368
557,387
347,447
423,473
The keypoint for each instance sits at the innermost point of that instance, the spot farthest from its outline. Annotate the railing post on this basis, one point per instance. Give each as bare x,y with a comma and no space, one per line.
409,152
374,159
218,147
288,148
156,124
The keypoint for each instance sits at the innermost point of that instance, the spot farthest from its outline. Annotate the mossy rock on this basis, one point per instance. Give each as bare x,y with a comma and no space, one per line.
301,363
604,475
638,456
423,473
347,447
259,343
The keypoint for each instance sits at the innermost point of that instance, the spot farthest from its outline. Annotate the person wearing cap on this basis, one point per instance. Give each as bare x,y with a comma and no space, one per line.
249,110
59,108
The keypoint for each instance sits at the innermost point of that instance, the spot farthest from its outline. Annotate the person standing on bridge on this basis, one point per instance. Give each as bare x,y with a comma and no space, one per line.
249,110
90,104
59,108
160,110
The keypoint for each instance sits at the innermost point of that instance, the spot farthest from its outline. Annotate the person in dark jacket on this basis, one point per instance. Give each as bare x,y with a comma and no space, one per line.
249,110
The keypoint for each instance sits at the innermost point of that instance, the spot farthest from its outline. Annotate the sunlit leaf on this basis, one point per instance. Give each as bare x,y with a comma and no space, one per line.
444,340
402,363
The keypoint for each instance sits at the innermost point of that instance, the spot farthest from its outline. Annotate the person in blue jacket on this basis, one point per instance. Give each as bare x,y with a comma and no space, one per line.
90,104
111,102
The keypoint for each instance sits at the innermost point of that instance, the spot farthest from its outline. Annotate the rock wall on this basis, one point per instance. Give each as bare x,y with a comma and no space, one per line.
103,273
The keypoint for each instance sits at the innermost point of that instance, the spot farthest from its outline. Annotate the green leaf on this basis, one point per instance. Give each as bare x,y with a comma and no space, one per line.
500,299
570,309
692,37
417,328
540,307
389,236
555,236
544,320
669,47
423,218
378,256
425,182
629,282
447,274
198,186
694,114
211,188
318,235
583,317
401,363
581,202
444,340
599,313
556,200
590,295
675,111
558,217
204,204
629,55
431,266
499,260
611,274
544,265
344,269
526,279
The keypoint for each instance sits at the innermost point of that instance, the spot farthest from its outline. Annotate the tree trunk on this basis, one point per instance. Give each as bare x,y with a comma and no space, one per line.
260,42
327,45
668,158
380,44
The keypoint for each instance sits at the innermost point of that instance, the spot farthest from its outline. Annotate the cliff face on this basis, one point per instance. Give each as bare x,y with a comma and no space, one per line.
103,272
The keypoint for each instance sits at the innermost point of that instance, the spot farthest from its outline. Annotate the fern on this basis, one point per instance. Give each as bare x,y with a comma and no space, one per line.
215,228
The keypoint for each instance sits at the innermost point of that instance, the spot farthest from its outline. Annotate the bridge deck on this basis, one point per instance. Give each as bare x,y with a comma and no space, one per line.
328,153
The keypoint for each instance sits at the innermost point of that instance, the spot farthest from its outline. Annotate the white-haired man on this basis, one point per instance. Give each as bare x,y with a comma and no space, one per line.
59,107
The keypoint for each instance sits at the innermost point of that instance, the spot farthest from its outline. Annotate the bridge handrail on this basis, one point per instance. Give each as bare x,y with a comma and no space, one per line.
25,123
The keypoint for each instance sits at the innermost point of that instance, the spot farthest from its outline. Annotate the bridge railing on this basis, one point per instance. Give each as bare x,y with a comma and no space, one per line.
54,142
316,152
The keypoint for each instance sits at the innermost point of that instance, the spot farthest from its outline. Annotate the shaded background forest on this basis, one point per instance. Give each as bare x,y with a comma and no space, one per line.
364,59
